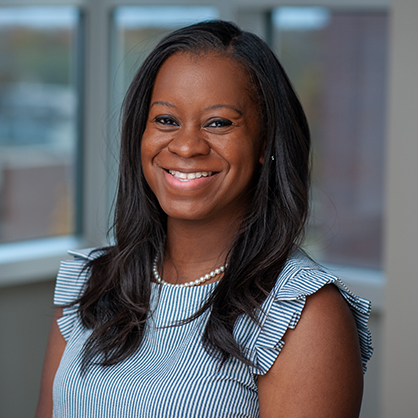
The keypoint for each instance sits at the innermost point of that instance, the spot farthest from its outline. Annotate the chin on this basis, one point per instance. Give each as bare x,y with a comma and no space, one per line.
188,216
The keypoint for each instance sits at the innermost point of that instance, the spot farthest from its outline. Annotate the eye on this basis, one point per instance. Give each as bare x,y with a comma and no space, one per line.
166,121
218,123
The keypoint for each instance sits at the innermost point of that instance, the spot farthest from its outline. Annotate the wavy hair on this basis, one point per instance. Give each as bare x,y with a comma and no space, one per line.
115,304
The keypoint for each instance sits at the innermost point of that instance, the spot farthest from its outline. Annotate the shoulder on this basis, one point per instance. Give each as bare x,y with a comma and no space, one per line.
319,370
87,253
303,289
70,284
303,279
73,275
301,276
326,317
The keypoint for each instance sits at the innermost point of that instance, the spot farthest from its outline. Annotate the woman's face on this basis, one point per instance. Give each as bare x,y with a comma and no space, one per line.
201,144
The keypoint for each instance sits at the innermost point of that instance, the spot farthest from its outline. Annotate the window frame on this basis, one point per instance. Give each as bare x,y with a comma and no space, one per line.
37,260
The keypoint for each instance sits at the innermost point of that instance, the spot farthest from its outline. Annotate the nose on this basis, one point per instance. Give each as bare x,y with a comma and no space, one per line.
189,143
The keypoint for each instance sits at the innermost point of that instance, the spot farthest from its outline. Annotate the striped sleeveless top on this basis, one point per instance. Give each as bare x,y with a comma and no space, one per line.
171,375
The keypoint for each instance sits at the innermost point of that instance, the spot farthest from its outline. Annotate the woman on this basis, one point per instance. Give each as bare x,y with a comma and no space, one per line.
205,306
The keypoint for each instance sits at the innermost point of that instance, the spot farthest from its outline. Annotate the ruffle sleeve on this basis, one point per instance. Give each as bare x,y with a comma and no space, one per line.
282,310
70,284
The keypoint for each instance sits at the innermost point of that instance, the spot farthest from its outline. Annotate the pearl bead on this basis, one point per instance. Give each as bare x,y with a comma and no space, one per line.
196,282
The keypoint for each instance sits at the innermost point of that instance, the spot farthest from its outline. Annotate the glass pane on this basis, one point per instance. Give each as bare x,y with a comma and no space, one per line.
38,122
140,28
337,62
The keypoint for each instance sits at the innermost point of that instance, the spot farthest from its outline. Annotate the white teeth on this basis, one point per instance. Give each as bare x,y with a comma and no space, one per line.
189,176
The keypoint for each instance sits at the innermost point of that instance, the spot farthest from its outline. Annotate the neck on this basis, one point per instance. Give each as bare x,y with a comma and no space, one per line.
194,248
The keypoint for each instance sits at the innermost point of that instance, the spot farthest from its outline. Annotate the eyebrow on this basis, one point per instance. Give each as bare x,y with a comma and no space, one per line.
220,106
159,102
213,107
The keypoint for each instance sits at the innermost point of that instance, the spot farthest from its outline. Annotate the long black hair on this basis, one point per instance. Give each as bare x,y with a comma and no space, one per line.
115,304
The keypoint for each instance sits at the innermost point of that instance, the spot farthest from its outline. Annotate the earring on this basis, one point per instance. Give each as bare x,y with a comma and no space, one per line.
272,157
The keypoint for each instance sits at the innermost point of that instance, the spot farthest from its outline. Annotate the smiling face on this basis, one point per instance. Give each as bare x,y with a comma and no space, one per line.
201,144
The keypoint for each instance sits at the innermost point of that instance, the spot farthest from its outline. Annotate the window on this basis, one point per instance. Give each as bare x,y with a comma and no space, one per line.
40,141
38,122
138,29
337,63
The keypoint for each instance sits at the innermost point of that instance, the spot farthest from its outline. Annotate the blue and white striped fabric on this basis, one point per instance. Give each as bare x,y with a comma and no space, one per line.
171,375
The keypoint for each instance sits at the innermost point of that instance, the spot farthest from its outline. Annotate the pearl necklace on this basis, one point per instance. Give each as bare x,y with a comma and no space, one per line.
197,282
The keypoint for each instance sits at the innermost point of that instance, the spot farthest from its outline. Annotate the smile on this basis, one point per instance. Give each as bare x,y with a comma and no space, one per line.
189,176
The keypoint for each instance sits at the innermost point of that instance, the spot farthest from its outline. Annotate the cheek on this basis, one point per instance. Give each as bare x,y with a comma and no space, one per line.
243,169
250,162
246,155
149,147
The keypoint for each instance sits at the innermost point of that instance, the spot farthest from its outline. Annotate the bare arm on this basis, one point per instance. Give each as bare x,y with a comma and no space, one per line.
54,351
319,373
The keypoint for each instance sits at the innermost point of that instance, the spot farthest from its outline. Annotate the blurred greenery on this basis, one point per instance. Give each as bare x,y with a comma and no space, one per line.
35,55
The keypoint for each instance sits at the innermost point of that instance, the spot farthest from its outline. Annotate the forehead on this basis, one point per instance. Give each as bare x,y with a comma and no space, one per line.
208,74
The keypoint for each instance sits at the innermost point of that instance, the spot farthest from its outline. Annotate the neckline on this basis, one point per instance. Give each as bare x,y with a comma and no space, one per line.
174,287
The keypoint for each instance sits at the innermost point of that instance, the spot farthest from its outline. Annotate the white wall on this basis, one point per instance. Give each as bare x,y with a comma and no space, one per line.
400,338
25,317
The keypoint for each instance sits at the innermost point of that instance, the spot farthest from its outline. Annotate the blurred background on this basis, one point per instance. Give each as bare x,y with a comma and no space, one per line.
64,70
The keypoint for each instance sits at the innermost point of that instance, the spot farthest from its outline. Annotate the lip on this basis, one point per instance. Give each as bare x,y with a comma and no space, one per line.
188,184
187,176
